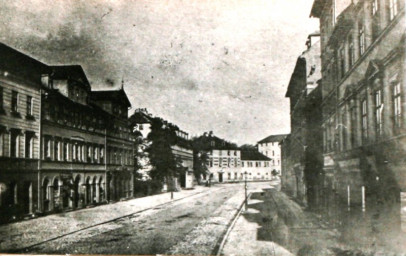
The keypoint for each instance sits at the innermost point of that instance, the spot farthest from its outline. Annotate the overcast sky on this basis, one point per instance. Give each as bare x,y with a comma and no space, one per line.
205,65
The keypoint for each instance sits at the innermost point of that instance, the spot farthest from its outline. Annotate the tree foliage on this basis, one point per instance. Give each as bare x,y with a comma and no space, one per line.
200,162
164,163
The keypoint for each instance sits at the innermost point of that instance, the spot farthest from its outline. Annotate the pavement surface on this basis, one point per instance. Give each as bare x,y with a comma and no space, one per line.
193,224
273,224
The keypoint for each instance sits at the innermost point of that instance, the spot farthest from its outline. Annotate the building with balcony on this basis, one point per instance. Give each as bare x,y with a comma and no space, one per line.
363,105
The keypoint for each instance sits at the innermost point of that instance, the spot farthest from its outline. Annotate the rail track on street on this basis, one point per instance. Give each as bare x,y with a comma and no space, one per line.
158,206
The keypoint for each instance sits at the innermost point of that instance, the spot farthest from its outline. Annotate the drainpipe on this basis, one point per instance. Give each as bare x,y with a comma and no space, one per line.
40,206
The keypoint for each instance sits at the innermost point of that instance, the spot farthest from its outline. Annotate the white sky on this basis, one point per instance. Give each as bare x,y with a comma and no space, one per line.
220,65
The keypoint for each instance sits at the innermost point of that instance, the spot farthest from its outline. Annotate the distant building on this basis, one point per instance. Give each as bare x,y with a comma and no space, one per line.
229,163
270,147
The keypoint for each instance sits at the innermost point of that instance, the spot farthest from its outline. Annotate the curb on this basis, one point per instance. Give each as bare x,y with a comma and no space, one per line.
231,226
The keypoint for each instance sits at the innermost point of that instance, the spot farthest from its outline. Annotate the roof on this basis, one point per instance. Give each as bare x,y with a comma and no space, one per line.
273,138
253,155
22,65
140,118
74,72
317,8
110,95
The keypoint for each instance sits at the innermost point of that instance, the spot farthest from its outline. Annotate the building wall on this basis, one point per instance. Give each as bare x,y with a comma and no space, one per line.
273,151
363,117
18,176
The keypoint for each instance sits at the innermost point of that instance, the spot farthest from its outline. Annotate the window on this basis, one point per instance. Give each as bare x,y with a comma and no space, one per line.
397,105
361,37
101,155
343,130
242,164
56,151
29,145
374,7
351,55
66,151
14,143
1,98
29,106
95,154
378,112
273,153
74,149
393,8
1,144
89,154
364,117
47,147
353,116
14,101
341,63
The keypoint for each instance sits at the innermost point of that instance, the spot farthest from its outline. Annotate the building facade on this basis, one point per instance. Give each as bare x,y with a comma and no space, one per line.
363,95
229,163
302,154
270,147
57,142
20,117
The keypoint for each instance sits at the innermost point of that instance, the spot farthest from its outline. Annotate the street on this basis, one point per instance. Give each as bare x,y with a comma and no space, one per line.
193,225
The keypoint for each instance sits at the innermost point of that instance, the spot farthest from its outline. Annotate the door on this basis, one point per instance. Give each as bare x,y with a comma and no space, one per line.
220,177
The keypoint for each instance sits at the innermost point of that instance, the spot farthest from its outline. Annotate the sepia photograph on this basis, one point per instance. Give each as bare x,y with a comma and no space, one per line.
203,127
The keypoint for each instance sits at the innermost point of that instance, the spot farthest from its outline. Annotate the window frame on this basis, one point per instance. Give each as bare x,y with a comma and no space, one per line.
396,103
364,119
14,101
378,111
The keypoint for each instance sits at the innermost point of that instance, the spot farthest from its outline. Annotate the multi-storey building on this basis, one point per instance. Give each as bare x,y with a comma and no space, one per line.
270,147
228,163
363,103
302,157
60,148
119,142
20,107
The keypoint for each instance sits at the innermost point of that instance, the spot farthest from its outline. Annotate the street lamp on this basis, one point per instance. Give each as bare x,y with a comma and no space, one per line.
246,197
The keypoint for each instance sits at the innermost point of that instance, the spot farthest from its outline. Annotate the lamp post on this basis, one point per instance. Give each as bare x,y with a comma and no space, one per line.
246,196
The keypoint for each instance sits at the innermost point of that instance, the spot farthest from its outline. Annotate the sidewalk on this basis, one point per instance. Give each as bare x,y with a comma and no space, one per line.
275,225
30,232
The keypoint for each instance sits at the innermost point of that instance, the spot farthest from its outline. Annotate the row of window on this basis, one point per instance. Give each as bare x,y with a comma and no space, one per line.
59,149
15,106
348,126
13,140
82,120
346,53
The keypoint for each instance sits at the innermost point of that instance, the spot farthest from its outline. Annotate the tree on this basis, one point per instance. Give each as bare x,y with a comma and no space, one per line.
248,147
165,166
200,161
